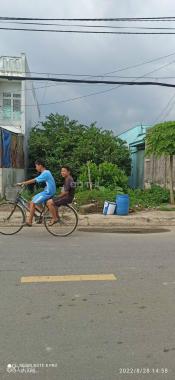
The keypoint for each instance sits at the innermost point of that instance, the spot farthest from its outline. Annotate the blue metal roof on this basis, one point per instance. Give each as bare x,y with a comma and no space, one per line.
135,135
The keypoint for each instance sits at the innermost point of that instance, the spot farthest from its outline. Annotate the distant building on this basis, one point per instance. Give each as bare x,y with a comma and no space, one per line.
145,171
19,112
135,139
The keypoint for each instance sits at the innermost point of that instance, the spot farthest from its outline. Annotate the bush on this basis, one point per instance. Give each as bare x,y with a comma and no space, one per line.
105,174
97,195
139,199
148,198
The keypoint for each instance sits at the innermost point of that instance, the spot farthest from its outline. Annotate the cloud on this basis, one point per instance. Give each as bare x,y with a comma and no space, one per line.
93,54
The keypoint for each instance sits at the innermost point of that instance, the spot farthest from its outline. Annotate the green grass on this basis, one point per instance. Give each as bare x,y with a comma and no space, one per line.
99,196
149,198
166,208
156,197
139,199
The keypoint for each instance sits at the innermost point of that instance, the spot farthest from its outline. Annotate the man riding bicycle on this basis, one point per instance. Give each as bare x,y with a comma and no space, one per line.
48,192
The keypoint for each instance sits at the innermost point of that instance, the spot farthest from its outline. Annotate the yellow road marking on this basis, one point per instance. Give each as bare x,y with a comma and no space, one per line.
69,278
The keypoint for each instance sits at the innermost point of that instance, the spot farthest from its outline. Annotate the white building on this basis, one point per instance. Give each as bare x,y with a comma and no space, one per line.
19,112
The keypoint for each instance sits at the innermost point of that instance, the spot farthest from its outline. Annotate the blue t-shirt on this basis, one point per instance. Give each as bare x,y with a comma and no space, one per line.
47,177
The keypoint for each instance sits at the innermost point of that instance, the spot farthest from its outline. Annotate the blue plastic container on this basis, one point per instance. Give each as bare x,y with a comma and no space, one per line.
122,204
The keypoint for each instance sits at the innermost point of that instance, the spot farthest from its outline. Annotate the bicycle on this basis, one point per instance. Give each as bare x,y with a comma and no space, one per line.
13,215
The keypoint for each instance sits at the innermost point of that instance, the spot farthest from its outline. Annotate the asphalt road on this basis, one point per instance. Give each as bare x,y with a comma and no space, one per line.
91,330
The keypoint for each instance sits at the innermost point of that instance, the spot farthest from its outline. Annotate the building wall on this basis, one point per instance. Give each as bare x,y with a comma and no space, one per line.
10,176
29,107
12,87
135,138
29,113
30,110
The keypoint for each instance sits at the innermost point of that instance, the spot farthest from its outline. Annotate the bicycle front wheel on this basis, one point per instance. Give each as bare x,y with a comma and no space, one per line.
11,218
68,220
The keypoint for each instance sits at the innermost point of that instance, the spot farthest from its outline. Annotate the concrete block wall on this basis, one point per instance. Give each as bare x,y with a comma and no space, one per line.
9,177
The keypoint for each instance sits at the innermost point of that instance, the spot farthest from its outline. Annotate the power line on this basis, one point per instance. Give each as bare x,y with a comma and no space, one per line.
87,26
79,97
111,19
85,81
109,72
140,64
97,92
85,31
164,111
103,74
170,109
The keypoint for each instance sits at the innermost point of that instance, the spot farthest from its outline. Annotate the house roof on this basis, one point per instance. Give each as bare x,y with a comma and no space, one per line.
135,136
134,127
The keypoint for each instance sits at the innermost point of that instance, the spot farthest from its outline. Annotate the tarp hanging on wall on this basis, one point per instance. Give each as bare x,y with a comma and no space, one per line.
20,153
6,151
11,150
14,149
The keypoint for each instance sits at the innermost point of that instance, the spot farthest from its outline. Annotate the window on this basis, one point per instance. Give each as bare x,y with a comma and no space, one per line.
7,105
16,106
11,106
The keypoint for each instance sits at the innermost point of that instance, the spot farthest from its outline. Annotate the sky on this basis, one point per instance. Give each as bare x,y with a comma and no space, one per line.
117,109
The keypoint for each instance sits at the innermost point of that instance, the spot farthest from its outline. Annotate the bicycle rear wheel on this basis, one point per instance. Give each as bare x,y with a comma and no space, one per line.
68,220
11,218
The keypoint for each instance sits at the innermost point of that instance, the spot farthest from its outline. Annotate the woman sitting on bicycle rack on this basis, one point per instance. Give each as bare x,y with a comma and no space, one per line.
48,192
66,196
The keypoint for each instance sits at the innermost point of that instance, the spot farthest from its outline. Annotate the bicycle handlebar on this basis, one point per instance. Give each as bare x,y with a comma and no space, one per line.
20,185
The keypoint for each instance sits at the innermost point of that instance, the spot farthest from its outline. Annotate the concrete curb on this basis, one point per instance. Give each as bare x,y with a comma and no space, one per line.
126,229
147,220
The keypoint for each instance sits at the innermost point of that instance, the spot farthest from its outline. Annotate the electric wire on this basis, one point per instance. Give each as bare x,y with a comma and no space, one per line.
87,26
111,19
84,31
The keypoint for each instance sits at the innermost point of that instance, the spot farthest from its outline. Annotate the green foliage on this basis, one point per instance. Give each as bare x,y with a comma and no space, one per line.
166,208
160,140
148,198
97,195
105,174
83,177
139,199
61,141
111,176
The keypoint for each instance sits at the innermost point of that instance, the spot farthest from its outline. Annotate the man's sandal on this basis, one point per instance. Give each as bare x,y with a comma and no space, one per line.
27,224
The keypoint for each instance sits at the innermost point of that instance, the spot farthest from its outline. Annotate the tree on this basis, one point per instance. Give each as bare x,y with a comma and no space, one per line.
61,141
160,141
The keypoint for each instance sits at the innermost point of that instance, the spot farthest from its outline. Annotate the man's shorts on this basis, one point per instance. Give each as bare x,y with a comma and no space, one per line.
62,201
41,198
